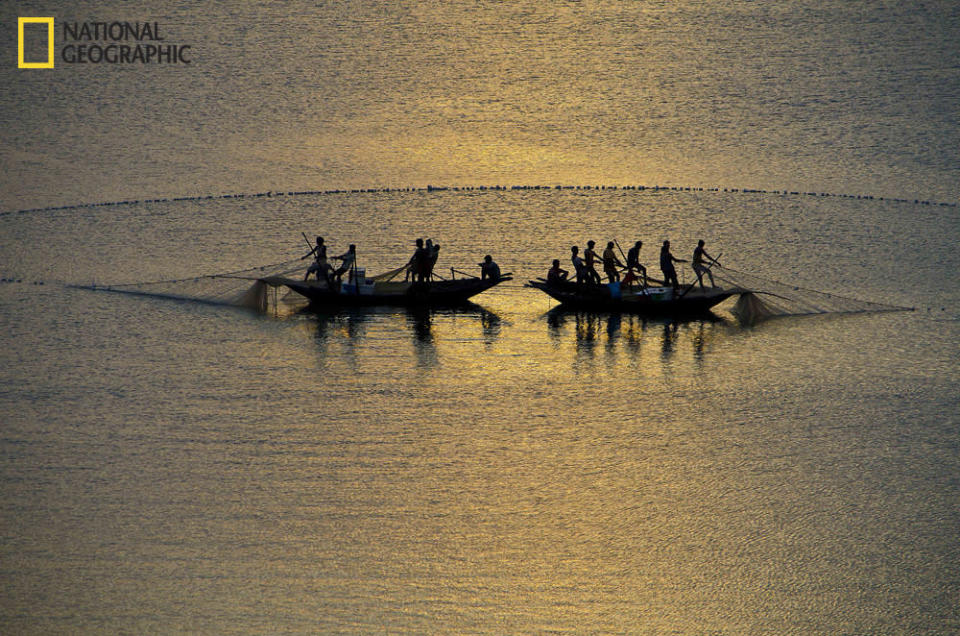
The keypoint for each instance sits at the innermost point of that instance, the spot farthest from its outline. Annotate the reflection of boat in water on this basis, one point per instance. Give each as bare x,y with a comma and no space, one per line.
359,290
349,326
652,301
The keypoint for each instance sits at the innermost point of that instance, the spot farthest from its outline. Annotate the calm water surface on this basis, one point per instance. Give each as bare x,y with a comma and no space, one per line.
170,466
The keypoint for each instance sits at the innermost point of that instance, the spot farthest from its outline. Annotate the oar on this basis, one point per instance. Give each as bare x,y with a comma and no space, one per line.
619,249
312,247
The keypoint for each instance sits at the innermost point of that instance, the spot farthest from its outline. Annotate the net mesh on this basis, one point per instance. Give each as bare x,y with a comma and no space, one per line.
761,298
242,288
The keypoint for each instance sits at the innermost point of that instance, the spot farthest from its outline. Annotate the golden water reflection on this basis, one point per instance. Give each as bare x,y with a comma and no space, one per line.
357,332
592,330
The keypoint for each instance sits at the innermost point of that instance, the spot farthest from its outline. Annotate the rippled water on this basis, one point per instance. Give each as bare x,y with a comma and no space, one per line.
174,466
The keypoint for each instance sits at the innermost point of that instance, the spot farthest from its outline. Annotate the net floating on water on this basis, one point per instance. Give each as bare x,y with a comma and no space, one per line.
243,288
762,298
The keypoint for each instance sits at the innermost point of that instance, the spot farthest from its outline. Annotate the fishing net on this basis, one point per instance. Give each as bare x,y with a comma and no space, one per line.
762,298
243,288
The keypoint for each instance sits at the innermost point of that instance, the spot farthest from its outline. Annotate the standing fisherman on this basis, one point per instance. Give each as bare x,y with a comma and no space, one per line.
415,264
611,263
633,261
590,257
666,265
699,255
432,257
578,267
319,264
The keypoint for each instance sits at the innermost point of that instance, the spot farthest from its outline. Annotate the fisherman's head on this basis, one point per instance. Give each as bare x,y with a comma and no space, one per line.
590,244
419,242
666,243
487,258
700,242
319,240
556,262
352,248
638,244
574,249
609,245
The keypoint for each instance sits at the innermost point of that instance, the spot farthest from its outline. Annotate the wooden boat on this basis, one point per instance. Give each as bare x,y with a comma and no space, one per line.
359,290
653,301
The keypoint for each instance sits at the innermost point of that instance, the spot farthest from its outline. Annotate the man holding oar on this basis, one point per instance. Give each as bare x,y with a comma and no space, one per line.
611,263
633,263
319,264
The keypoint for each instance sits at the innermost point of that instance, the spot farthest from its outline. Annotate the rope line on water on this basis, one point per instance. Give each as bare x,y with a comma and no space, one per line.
494,188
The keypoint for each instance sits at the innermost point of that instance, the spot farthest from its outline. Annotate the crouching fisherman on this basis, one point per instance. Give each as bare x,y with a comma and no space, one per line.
489,269
556,274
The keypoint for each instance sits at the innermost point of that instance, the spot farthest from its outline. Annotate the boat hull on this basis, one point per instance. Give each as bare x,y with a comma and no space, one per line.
433,294
653,302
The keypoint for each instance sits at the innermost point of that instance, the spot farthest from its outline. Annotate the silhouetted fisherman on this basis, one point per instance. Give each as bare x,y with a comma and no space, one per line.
319,265
611,263
699,256
633,262
666,265
348,259
432,256
556,274
415,264
578,267
589,258
489,269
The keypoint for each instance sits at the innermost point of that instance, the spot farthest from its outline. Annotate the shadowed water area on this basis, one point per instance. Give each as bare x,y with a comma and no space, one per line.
502,467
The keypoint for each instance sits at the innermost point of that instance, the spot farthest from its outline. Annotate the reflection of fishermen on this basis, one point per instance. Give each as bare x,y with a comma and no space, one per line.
611,263
556,274
348,259
699,256
633,262
319,266
489,269
666,265
590,257
578,266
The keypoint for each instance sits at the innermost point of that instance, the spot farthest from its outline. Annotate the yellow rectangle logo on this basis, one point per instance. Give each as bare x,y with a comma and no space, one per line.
20,61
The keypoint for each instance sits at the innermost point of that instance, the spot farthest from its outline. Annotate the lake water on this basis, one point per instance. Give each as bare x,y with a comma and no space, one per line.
170,466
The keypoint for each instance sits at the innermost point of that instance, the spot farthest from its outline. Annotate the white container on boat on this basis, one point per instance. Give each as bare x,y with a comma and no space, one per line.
660,294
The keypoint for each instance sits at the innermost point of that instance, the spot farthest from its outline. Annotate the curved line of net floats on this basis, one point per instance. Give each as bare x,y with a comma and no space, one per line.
494,188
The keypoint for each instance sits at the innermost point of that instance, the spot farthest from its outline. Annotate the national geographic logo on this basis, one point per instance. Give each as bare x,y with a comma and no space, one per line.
22,25
96,43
